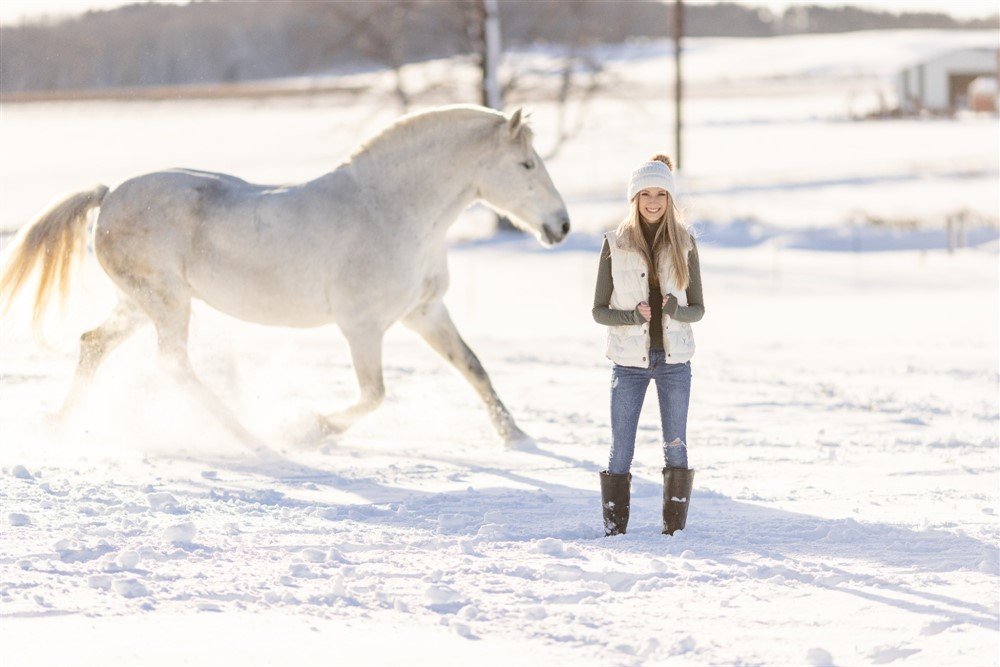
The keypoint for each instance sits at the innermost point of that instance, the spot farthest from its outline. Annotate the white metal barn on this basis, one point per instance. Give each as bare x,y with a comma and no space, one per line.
941,83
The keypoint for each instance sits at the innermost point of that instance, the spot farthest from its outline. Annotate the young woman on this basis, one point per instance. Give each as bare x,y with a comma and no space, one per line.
648,293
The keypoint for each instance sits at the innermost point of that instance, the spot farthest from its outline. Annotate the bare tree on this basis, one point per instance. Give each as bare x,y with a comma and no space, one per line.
380,34
582,73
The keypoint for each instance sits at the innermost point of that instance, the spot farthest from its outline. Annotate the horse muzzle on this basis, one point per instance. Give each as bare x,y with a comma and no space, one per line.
555,231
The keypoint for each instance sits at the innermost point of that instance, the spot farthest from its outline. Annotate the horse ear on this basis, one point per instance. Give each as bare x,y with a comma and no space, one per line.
514,123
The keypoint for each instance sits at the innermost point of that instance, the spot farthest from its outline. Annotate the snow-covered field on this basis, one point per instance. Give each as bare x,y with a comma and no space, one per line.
843,422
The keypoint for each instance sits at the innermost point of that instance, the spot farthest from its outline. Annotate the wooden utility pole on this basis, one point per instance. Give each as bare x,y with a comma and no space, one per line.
678,90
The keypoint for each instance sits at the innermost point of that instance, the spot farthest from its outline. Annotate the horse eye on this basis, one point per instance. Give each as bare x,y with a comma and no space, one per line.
528,164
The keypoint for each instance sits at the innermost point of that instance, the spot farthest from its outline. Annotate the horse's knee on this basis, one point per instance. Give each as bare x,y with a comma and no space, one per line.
92,347
92,339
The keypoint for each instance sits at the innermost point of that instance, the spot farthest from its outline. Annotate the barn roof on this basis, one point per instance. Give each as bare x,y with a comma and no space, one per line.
946,53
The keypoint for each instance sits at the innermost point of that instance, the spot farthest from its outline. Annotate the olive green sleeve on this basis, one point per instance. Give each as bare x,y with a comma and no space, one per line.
602,312
695,309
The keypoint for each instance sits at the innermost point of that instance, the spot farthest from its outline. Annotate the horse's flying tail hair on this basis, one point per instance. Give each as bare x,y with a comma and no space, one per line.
52,244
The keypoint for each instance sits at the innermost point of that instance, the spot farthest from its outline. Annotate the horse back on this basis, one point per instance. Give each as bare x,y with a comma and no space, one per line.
293,255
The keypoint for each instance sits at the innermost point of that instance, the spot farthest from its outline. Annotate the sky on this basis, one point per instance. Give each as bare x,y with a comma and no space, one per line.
15,11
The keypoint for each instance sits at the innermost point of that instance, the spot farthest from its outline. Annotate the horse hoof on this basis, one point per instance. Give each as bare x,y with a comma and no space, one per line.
328,428
325,427
310,432
521,442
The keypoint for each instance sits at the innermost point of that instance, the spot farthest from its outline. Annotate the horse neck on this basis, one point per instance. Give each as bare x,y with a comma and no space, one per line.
431,167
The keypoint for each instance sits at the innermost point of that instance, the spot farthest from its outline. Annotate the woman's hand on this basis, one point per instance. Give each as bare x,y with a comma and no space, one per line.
644,310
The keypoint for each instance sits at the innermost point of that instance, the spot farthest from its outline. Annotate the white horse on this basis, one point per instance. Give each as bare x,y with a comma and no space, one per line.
362,246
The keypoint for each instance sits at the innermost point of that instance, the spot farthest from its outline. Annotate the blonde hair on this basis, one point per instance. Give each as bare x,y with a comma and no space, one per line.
671,236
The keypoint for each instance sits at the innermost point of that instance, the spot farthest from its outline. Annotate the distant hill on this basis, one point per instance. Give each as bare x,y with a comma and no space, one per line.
216,42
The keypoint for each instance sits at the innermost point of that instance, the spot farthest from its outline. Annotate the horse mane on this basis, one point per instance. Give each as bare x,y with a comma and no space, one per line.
407,123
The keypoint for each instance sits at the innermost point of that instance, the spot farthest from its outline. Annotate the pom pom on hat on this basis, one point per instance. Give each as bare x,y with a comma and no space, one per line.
651,175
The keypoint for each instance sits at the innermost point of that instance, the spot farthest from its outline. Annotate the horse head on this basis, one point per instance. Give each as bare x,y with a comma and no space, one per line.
514,181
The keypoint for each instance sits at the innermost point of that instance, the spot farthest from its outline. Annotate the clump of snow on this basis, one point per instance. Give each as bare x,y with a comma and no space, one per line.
683,645
443,599
302,571
536,612
21,472
75,551
129,588
818,657
181,533
556,548
335,556
313,555
493,531
452,523
987,566
18,519
128,560
164,502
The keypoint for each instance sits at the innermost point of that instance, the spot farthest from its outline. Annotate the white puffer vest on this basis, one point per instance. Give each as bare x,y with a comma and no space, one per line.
628,345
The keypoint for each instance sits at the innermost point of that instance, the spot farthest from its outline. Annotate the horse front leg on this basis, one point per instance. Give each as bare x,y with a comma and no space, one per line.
434,324
366,355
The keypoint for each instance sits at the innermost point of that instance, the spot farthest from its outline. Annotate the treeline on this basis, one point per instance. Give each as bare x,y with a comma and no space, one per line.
229,41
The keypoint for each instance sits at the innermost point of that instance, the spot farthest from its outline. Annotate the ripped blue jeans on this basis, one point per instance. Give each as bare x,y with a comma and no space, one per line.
628,389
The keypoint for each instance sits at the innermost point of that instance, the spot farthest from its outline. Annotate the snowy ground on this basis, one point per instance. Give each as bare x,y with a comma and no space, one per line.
843,424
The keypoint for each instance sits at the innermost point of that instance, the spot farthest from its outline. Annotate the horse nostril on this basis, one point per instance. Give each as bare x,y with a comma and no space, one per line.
565,228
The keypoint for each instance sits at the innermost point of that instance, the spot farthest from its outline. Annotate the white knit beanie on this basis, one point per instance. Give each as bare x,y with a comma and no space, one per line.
651,175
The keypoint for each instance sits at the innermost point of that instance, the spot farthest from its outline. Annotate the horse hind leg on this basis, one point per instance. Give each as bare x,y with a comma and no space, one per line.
169,306
95,345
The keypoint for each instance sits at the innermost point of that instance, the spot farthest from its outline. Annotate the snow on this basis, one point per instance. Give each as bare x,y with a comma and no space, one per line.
164,502
17,519
181,533
129,588
21,472
843,421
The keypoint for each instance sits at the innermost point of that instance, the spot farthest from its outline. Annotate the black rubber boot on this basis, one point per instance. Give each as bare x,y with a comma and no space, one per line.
615,499
677,483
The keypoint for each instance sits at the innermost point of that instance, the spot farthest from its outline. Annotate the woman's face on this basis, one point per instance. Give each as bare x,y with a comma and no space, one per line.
652,204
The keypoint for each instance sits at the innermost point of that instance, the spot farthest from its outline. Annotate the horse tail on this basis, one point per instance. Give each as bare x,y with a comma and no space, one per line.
53,244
